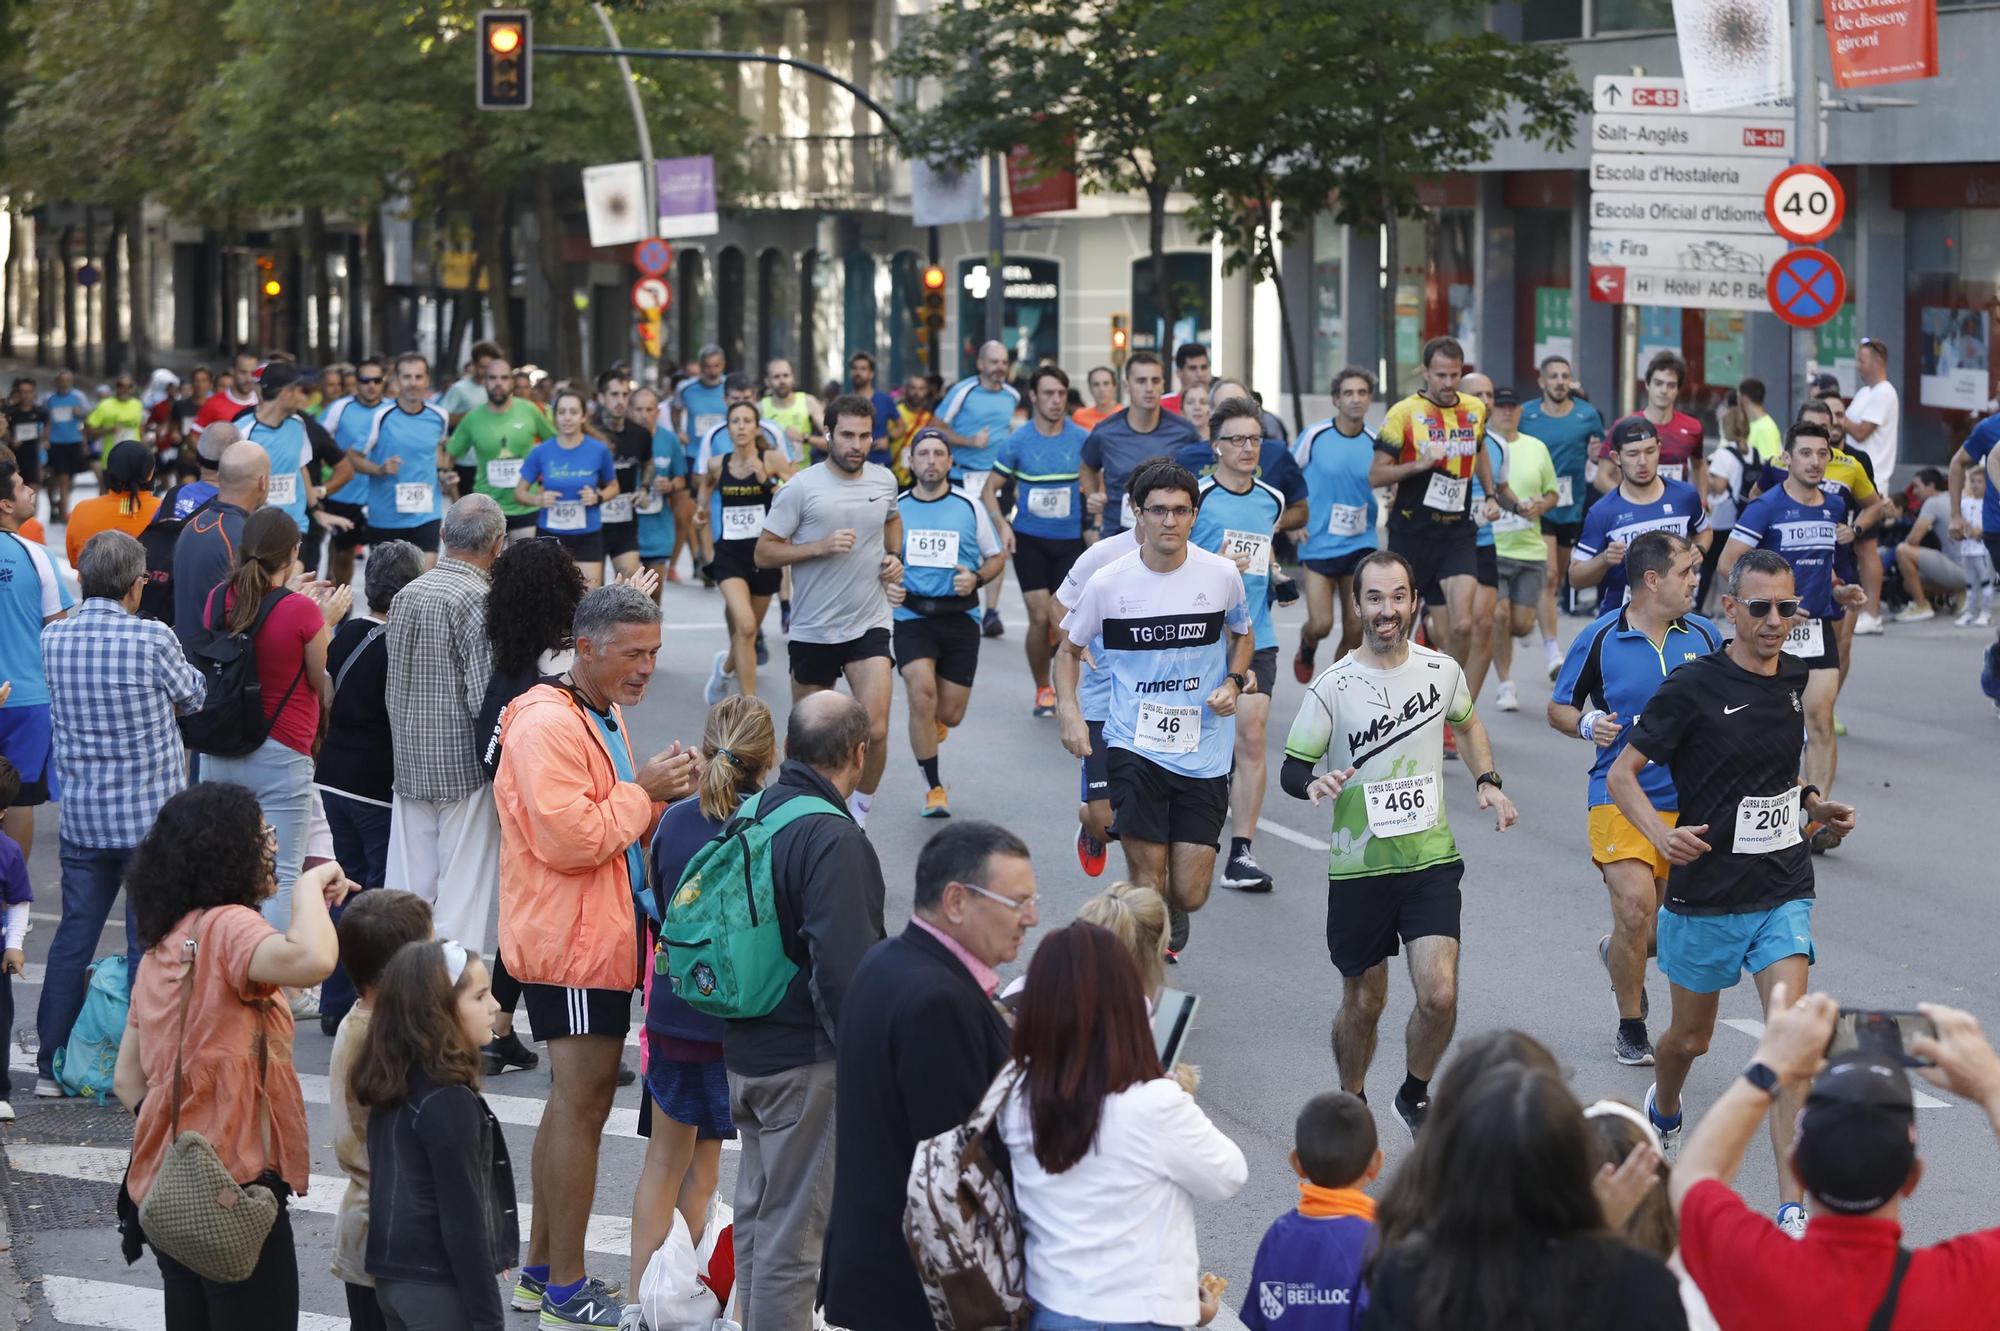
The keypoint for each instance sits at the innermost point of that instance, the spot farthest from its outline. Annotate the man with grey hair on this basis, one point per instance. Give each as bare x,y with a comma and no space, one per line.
698,402
205,551
576,808
116,685
976,415
444,842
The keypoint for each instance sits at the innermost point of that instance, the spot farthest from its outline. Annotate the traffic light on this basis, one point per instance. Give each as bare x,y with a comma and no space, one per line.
506,81
930,327
273,288
267,277
1121,339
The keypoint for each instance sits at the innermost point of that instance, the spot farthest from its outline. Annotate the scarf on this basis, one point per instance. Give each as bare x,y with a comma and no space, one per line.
1322,1203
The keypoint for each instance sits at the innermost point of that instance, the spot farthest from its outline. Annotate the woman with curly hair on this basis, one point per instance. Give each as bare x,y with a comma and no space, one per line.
196,883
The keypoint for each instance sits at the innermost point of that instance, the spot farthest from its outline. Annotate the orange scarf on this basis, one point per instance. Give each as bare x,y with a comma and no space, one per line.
1320,1203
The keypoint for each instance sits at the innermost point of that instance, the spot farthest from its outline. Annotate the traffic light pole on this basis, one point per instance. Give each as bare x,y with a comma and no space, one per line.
649,176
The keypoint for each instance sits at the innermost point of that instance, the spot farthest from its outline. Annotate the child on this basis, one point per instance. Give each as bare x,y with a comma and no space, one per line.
1308,1268
17,893
441,1217
373,928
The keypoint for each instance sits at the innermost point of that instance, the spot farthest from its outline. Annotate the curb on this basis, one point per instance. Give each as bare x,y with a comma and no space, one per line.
12,1311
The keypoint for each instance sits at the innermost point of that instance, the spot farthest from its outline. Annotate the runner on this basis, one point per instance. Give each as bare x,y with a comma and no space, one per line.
471,391
734,500
1739,893
1679,433
1644,500
349,420
1519,547
27,430
498,433
236,396
112,421
1122,440
277,425
1612,671
1764,439
1377,717
1805,525
406,454
698,402
665,506
861,381
632,455
1093,694
1239,516
975,415
949,551
795,414
1103,384
833,524
1486,561
913,413
1190,371
1977,454
1571,427
574,473
714,444
67,410
1044,460
1335,455
1176,630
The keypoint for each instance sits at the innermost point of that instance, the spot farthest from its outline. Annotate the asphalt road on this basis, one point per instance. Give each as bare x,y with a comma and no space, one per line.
1904,914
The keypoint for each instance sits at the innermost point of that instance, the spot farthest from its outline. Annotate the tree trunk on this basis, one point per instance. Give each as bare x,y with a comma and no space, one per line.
93,324
322,344
1291,344
114,288
1166,305
375,259
492,255
141,269
569,338
72,328
225,281
12,279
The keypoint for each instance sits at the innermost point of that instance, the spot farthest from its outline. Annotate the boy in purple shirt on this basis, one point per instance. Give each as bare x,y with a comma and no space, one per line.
17,894
1308,1268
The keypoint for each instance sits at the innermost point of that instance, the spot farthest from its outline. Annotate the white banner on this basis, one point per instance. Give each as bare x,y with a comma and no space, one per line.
1734,52
614,198
943,198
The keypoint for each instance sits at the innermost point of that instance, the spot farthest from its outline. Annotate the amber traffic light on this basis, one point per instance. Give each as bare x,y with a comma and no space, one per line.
1121,338
273,288
505,78
934,279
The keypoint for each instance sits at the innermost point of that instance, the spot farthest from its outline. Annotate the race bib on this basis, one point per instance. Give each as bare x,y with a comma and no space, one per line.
1447,493
566,516
62,415
1166,729
503,473
1565,491
1767,823
618,509
413,497
28,431
1673,471
929,547
745,522
1807,638
123,433
1254,544
1051,502
284,490
706,422
1126,517
648,501
1347,520
1511,522
1402,805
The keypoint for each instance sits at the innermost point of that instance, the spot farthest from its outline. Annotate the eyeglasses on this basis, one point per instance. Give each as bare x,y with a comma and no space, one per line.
1161,513
1020,907
1240,439
368,378
1761,608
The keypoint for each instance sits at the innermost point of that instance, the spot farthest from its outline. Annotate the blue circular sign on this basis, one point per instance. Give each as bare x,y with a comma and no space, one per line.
651,257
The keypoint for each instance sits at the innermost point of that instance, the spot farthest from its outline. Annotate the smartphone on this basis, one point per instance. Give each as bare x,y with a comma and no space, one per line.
1173,1019
1882,1031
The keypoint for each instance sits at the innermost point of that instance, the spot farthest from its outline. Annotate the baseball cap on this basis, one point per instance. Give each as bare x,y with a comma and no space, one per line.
929,432
1631,430
1506,397
276,375
1857,1133
1826,383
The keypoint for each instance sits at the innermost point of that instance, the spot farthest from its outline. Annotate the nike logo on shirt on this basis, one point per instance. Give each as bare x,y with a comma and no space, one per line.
1731,711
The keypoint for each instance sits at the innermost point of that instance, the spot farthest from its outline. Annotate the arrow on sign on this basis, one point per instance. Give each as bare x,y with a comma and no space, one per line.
1607,284
1613,93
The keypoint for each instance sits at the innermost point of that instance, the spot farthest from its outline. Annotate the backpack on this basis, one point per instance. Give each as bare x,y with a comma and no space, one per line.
961,1224
156,600
84,1066
724,948
231,722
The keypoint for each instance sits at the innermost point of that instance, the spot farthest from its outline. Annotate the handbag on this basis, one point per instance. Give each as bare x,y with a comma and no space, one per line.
195,1212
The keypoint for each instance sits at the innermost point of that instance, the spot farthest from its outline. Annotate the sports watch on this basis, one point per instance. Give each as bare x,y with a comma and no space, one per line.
1762,1077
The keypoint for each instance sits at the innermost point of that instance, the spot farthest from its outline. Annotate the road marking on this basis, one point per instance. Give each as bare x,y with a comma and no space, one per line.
114,1307
1755,1030
1283,833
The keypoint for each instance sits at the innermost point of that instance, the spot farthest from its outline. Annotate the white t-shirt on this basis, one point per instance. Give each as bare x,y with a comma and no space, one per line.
1877,404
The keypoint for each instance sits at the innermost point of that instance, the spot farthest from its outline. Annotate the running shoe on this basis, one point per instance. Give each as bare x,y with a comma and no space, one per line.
1302,663
673,574
632,1319
1910,615
991,626
1632,1053
593,1305
944,732
1090,852
625,1078
717,687
1450,744
763,651
1604,959
1045,701
1964,618
1412,1114
305,1004
1839,726
1985,620
6,1112
1244,874
1506,699
1555,658
1669,1129
1792,1219
937,804
1178,925
1868,625
48,1088
507,1051
527,1296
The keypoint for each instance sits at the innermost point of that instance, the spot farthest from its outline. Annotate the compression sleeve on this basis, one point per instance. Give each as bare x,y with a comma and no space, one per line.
1296,777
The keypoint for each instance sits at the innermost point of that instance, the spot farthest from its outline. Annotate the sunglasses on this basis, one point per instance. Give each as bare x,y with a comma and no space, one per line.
369,378
1761,608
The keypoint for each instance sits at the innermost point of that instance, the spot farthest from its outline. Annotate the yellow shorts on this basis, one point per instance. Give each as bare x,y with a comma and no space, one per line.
1613,838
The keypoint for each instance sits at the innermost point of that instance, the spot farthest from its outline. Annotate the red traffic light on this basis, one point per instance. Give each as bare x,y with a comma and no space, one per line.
934,278
503,38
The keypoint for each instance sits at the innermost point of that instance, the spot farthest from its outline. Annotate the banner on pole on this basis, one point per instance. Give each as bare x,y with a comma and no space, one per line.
687,197
942,197
1032,190
1881,41
614,201
1735,52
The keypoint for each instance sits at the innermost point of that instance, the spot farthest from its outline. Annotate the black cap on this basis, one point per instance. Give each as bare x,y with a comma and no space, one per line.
276,375
1858,1133
929,432
1631,430
1825,384
1506,397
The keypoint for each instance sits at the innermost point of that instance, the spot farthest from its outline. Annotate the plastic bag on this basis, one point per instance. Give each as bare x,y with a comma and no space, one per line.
684,1286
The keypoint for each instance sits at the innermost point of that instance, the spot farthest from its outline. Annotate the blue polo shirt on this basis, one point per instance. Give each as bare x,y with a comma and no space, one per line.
1617,518
969,407
411,497
1568,438
1048,502
1615,667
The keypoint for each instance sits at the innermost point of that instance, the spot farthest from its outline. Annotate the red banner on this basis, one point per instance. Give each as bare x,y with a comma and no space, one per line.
1881,41
1030,190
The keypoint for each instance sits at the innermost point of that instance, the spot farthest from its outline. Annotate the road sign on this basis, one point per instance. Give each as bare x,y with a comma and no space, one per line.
1805,204
1677,173
89,275
651,293
1707,136
1702,214
1686,251
1607,284
1807,288
1611,284
1639,94
651,257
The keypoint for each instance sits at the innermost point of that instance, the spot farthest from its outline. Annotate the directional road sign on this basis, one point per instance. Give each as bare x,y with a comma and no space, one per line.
1711,135
1696,214
1686,252
1681,173
1807,288
1642,94
1805,204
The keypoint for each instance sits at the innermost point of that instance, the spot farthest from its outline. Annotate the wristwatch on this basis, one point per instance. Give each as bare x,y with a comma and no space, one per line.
1489,779
1242,680
1762,1077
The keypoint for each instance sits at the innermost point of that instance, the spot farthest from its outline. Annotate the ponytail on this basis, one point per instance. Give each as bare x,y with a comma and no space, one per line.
738,745
270,543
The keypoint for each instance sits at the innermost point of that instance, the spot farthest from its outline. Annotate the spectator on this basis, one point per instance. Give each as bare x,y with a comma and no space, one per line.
1136,915
196,881
1856,1156
355,770
919,1042
205,551
1625,1141
292,631
34,597
1109,1154
829,890
1499,1223
127,505
18,894
116,683
441,1215
575,809
530,605
685,1114
1308,1267
372,929
1922,560
444,842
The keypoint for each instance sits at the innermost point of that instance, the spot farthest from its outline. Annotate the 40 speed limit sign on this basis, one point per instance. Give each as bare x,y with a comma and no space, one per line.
1805,204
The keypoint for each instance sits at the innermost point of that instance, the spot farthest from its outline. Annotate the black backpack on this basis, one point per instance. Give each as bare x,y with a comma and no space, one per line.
231,722
158,539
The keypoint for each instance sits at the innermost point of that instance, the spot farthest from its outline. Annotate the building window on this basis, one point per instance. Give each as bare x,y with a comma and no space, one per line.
1610,16
906,295
1190,276
1329,324
729,299
1551,20
691,302
1031,321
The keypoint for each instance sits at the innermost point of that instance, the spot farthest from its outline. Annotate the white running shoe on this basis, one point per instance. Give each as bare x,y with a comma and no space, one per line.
1555,657
718,686
1506,699
1868,625
1911,615
1964,618
1670,1133
1985,620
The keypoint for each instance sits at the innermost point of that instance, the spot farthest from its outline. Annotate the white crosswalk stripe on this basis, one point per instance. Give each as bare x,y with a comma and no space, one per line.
111,1306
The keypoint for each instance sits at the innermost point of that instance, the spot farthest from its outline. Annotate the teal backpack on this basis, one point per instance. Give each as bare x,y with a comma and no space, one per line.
724,951
85,1065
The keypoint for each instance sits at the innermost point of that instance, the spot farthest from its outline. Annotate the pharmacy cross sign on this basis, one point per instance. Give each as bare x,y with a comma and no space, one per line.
1806,288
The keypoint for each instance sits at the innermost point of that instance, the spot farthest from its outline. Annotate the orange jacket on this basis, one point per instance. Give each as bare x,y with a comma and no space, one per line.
566,914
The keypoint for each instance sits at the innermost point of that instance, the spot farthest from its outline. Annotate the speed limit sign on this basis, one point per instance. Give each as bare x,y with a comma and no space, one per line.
1805,204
